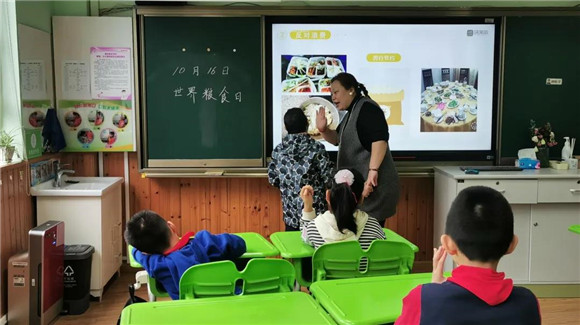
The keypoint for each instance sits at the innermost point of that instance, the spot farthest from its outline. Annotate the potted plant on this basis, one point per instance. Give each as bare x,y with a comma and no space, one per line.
7,145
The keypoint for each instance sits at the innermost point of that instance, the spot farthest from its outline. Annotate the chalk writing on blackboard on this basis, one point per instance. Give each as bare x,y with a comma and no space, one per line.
207,93
195,70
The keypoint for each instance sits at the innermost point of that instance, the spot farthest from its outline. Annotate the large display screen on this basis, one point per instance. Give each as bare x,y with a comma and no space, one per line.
434,81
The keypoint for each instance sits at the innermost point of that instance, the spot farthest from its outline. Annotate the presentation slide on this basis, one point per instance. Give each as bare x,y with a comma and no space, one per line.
434,82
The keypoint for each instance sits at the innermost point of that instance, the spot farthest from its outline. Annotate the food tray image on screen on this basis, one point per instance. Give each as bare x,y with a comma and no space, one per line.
316,67
311,107
300,85
297,67
333,67
324,85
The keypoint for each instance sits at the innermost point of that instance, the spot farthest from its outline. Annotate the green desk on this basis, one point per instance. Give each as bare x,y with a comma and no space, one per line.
291,246
271,308
575,229
372,300
256,246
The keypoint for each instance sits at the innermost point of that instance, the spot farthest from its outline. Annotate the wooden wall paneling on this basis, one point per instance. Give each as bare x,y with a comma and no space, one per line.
274,209
114,164
412,202
271,210
84,163
12,212
396,223
166,200
15,219
265,218
235,221
5,237
2,245
424,230
139,187
414,217
26,203
193,204
225,215
251,206
24,200
244,211
218,217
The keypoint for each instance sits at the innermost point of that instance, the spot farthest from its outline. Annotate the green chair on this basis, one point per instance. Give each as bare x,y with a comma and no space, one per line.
342,260
223,279
154,288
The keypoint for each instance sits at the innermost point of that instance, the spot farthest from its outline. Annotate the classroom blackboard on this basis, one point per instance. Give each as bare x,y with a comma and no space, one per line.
202,91
537,48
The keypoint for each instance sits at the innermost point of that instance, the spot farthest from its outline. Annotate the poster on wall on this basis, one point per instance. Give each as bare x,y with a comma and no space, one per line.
75,79
111,73
32,79
97,125
33,116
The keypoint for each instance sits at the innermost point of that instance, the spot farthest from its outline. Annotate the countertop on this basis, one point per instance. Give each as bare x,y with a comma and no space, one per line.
543,173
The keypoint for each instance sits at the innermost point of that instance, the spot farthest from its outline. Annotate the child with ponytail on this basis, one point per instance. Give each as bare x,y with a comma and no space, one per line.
344,220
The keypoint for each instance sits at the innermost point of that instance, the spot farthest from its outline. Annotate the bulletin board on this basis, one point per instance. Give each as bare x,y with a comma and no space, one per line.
93,61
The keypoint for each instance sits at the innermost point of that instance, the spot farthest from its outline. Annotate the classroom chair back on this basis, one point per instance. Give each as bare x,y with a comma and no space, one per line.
223,279
154,288
343,260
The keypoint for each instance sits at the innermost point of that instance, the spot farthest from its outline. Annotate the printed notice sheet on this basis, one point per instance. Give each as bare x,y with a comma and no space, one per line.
75,80
111,73
32,79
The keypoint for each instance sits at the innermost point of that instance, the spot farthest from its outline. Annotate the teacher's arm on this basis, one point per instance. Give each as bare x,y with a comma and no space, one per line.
378,151
321,124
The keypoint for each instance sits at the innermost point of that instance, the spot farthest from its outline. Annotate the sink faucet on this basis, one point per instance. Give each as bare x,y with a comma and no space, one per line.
59,172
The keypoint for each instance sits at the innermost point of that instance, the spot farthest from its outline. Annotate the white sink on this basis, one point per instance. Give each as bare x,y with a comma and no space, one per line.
76,186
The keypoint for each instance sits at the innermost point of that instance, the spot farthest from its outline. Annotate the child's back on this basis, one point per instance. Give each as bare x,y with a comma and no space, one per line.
473,296
344,221
478,232
299,160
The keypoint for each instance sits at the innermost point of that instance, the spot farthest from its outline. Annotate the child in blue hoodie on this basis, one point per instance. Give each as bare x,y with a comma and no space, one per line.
478,232
165,256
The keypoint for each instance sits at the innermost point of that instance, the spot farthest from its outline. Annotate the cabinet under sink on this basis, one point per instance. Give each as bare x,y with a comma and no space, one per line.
91,208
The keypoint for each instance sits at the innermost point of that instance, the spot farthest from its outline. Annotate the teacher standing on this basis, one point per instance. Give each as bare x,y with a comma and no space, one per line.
362,137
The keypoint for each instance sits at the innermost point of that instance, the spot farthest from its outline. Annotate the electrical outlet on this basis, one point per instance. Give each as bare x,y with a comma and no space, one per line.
554,81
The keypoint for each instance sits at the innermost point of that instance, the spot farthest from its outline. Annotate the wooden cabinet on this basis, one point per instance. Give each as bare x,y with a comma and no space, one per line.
545,203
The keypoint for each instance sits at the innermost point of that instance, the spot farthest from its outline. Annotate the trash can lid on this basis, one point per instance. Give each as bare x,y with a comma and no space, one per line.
77,252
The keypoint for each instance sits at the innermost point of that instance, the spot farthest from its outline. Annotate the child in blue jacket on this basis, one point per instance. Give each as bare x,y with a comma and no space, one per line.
165,256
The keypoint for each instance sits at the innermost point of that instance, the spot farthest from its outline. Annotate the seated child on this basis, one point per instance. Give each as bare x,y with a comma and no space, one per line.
297,161
165,256
343,220
478,232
